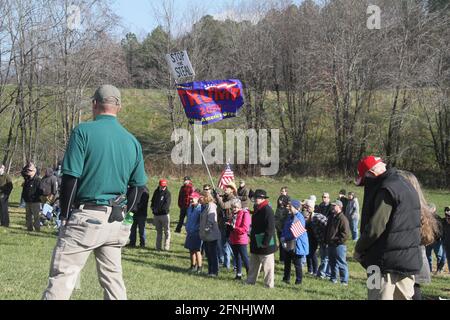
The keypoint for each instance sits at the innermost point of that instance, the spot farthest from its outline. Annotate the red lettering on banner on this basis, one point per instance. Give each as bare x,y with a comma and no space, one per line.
235,93
204,97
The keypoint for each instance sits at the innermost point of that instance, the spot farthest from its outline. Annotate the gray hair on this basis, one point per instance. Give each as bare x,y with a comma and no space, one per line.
236,203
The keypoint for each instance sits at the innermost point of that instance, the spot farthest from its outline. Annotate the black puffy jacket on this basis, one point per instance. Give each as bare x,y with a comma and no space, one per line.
397,250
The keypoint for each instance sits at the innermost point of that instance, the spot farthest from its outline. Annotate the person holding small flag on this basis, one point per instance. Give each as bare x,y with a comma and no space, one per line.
294,240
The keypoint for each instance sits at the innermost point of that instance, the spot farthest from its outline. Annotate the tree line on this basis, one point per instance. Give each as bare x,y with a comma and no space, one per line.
335,88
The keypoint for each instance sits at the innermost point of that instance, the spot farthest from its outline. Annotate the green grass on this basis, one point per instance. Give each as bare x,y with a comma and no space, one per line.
25,260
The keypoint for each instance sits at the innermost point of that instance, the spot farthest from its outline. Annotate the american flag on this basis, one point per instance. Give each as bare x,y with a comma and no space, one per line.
297,228
226,177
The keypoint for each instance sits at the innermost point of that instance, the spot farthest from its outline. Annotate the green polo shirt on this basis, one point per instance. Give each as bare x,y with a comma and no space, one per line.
105,158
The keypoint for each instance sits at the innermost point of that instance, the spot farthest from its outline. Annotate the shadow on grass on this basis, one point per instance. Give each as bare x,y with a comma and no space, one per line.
34,234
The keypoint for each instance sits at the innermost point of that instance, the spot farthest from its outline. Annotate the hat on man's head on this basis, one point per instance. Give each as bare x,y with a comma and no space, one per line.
107,91
310,203
232,185
365,165
337,203
296,204
163,183
260,194
343,191
187,178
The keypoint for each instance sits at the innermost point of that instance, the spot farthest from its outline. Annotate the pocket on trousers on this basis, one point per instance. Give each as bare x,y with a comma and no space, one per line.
82,232
123,235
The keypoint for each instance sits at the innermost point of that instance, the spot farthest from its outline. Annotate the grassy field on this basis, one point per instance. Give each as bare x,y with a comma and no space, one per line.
151,275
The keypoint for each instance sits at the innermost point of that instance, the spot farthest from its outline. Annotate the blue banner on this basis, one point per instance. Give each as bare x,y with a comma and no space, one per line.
211,101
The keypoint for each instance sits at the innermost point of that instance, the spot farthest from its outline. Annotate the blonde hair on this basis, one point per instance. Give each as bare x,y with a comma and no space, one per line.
207,197
430,226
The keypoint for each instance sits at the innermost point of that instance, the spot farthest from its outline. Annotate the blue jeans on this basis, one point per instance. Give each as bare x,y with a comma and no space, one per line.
211,255
338,262
224,251
354,228
240,257
439,251
324,267
138,222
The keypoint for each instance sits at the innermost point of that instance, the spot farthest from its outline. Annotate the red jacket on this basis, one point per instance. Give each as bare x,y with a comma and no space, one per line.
183,197
239,235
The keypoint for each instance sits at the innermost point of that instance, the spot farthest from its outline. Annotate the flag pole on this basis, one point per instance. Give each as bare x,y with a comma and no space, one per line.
204,160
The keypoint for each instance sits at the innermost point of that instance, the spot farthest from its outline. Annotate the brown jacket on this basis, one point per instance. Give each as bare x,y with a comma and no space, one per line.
338,229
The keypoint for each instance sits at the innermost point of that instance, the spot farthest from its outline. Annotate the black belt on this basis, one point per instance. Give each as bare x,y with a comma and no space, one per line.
94,207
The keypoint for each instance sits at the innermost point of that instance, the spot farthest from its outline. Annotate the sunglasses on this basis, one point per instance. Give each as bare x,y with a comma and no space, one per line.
206,189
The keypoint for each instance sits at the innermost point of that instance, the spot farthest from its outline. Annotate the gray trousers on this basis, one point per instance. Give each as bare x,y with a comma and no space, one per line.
88,231
267,263
162,225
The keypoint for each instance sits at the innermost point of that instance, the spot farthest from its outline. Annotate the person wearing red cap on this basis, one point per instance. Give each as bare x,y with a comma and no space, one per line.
390,231
160,206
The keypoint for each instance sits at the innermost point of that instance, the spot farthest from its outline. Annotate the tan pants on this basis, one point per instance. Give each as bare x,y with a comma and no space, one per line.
393,287
87,231
267,262
32,216
162,224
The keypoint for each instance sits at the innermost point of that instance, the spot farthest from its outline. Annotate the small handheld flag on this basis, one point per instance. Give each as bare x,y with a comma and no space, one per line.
226,177
297,228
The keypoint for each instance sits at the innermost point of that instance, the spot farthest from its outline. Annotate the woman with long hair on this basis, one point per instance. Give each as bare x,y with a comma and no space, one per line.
209,231
430,229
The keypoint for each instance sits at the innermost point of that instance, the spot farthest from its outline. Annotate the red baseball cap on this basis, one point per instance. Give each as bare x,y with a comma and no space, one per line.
163,183
365,165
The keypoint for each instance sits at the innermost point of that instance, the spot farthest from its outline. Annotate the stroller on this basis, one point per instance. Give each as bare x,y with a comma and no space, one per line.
50,215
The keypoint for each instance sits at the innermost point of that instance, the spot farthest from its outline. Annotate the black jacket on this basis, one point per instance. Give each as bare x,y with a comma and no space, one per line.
141,207
263,231
31,189
446,235
161,202
397,250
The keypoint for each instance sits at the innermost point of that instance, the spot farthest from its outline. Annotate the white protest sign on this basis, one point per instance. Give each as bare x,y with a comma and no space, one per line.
180,65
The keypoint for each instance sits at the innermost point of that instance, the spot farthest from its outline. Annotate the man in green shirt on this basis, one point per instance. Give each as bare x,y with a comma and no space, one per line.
103,163
6,187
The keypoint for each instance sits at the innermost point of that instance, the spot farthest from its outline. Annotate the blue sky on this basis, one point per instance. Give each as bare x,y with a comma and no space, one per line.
138,15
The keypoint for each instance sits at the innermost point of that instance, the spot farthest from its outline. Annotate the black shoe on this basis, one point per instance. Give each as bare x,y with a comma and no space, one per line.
298,282
131,246
286,281
142,245
238,278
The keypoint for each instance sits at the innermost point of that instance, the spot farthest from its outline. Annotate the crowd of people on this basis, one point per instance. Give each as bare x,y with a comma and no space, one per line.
100,198
240,230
